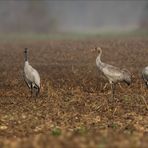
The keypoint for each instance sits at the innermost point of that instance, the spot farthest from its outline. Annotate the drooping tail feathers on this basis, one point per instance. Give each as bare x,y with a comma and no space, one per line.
127,76
37,89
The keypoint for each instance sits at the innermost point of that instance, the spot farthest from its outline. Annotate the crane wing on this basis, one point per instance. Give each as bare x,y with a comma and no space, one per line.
31,75
145,73
36,77
27,81
112,72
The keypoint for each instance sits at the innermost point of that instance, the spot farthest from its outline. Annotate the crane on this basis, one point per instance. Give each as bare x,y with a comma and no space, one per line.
112,73
31,76
145,75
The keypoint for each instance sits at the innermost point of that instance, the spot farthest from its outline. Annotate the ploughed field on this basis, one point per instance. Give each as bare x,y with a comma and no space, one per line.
73,109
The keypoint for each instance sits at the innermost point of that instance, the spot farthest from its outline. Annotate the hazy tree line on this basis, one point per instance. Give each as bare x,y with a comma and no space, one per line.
43,16
29,15
144,18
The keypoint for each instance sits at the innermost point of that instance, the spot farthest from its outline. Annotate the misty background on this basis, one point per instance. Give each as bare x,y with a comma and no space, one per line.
43,16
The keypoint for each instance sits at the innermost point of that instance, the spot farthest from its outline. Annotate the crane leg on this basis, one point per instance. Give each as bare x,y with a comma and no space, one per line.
38,91
35,94
120,86
105,86
113,90
31,90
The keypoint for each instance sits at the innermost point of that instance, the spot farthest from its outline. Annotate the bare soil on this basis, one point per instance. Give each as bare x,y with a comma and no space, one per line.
74,110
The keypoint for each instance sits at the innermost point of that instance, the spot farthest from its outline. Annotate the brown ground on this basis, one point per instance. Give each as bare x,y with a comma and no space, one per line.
73,110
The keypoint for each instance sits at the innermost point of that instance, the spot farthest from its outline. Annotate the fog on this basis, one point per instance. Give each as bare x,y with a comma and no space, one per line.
44,16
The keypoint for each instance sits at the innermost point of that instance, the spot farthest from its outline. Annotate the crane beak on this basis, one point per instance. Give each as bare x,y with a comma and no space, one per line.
93,50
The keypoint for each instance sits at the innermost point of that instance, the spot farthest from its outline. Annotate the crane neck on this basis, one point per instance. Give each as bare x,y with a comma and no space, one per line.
99,56
26,56
99,63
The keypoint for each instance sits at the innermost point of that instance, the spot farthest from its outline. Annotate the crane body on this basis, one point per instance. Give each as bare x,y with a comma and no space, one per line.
112,73
145,75
31,76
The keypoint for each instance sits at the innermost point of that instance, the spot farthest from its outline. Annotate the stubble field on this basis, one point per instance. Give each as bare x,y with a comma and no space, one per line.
74,110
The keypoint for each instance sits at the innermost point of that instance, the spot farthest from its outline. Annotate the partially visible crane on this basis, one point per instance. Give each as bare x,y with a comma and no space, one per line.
31,76
114,74
145,75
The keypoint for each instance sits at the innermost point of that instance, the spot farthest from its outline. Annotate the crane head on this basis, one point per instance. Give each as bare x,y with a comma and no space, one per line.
98,49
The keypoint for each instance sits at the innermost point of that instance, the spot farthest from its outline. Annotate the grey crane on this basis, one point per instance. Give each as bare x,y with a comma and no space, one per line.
145,75
114,74
31,76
